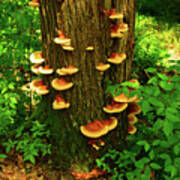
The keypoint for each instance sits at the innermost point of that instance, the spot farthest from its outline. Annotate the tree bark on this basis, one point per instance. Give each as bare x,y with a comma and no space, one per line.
85,23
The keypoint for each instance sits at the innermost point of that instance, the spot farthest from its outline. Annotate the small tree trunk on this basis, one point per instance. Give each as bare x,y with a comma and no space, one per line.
86,24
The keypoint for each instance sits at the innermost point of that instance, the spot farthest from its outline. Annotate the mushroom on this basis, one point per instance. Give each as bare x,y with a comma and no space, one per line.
34,3
101,142
60,103
42,90
123,98
103,67
68,48
114,15
36,83
36,57
115,107
94,129
111,123
67,70
90,48
61,84
62,39
132,119
133,108
117,58
132,129
45,70
35,68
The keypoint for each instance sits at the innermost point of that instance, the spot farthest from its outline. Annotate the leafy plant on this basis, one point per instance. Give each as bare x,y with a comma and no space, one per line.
30,143
155,149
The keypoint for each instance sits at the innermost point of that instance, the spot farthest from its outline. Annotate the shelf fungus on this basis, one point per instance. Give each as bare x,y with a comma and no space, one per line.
103,67
68,48
117,58
26,87
123,98
132,119
35,68
94,129
37,58
62,39
34,3
111,123
115,15
60,103
45,70
39,87
61,84
90,48
132,129
115,107
67,70
133,108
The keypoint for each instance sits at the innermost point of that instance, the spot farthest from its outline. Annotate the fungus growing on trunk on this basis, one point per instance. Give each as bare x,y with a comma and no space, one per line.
68,48
35,68
133,108
132,129
60,103
42,90
117,58
34,3
45,70
36,83
132,119
67,70
111,123
26,87
94,129
61,84
114,15
62,39
36,58
90,48
123,98
103,67
115,107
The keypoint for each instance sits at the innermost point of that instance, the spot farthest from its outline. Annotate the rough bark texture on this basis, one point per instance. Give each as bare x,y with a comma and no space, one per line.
85,23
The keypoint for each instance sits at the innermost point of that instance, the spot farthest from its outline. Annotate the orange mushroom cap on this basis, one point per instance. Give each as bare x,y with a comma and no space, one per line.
42,90
111,123
132,129
34,3
67,70
133,108
35,68
132,119
94,129
117,58
46,70
115,107
60,103
61,84
103,67
37,57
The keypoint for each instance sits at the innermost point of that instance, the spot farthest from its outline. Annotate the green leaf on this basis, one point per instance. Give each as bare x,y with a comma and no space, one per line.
176,149
156,102
167,128
151,70
172,117
151,155
3,156
155,166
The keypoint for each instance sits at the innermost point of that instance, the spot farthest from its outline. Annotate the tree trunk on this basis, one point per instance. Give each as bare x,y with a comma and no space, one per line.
86,24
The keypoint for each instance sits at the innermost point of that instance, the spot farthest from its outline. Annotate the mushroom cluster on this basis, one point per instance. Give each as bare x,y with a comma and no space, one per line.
97,129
